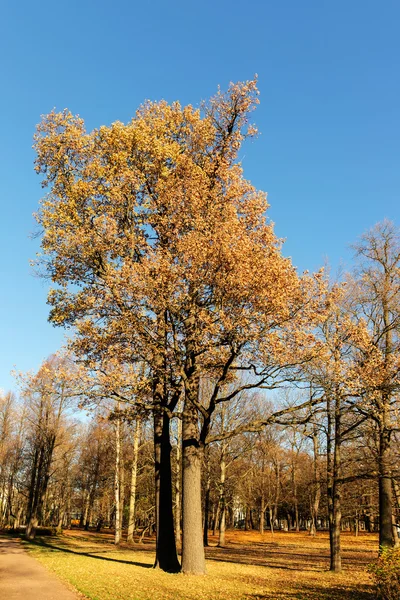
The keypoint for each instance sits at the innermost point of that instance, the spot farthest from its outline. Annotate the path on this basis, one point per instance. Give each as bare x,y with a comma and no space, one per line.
23,578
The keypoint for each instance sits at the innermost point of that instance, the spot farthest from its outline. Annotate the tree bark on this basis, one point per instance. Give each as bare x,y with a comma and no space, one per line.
117,537
193,558
222,522
385,490
334,484
166,555
132,494
178,483
386,538
122,484
317,485
262,514
39,483
206,499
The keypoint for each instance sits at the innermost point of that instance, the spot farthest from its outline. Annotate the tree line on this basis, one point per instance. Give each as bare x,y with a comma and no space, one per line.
99,473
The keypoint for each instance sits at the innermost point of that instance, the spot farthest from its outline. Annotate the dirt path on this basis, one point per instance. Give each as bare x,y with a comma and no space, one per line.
23,578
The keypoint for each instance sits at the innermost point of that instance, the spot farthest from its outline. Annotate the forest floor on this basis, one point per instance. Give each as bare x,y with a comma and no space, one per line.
283,566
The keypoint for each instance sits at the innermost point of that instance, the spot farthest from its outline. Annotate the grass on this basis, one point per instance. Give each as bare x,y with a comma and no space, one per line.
286,566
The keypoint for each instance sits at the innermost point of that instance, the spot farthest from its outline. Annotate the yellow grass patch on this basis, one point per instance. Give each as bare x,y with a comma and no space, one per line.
286,566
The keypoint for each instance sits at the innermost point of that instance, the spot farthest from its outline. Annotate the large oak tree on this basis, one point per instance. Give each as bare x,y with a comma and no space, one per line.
162,254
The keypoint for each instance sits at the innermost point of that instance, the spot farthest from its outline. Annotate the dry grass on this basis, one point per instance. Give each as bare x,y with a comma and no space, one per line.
286,566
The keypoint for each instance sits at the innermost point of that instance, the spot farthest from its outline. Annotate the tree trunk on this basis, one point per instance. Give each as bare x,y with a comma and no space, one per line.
335,490
60,522
222,523
39,483
396,493
206,499
262,514
330,474
216,520
85,514
117,537
386,538
317,485
193,559
166,555
385,490
122,484
271,519
132,495
178,482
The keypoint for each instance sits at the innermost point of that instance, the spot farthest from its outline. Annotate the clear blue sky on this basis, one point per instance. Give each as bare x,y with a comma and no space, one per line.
328,153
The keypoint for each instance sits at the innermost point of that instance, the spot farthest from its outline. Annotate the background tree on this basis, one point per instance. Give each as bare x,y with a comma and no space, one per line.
377,303
48,395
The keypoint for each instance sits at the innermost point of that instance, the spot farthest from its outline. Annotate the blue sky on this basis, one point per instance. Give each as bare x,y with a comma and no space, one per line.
328,153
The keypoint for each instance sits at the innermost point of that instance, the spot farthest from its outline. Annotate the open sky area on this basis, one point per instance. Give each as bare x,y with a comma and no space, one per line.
328,151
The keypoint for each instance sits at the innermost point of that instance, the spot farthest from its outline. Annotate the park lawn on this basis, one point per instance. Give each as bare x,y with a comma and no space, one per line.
283,567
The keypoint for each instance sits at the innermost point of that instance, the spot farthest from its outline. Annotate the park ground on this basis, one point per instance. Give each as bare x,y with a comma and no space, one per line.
283,566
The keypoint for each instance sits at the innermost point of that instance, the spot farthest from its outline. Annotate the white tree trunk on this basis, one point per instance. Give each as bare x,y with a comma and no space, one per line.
132,497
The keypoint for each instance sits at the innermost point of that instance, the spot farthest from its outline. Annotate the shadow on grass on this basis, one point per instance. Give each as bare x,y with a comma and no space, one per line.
314,592
285,557
269,562
54,548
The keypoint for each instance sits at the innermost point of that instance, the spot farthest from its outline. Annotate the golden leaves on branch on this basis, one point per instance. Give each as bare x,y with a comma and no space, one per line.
153,221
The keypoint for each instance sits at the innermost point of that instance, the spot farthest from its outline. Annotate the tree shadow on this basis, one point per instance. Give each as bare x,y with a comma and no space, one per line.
296,562
315,592
286,557
9,545
92,554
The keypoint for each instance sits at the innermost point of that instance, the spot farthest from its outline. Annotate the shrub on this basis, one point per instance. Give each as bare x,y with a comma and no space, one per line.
386,573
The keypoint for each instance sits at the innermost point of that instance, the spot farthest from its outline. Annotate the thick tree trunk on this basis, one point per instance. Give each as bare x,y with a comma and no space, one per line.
193,559
132,495
166,555
336,556
385,490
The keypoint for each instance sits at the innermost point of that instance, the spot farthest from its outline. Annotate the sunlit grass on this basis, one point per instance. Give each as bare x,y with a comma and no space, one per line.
101,572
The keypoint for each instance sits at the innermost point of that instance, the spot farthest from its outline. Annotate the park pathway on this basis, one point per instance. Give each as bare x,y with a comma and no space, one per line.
23,578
